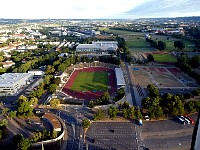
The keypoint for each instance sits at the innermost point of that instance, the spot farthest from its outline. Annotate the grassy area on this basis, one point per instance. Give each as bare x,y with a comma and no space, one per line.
119,32
164,58
189,45
90,81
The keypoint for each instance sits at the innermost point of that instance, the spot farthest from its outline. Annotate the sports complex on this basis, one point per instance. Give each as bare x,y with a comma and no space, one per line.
90,82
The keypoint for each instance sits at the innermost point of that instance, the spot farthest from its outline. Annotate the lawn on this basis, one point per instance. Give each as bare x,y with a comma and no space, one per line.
90,81
164,58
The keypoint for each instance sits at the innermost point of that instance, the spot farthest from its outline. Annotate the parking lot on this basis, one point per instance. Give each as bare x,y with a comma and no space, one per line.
111,135
167,135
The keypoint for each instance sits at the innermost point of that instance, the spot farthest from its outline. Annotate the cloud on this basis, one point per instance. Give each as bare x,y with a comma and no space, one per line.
90,9
166,8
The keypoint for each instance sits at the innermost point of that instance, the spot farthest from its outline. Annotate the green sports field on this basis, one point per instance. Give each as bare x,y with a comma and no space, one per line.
90,81
164,58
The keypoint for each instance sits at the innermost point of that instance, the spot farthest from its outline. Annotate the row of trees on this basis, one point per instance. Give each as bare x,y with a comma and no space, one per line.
186,64
103,100
158,45
123,50
173,104
123,109
44,135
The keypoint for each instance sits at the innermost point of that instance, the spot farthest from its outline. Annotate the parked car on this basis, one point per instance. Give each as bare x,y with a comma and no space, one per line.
186,120
146,117
189,118
180,120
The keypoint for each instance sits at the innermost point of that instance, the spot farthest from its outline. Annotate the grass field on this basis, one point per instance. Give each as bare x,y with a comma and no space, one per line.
164,58
90,81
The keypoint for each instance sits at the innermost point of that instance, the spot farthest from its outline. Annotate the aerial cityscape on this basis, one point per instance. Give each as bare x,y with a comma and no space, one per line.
103,75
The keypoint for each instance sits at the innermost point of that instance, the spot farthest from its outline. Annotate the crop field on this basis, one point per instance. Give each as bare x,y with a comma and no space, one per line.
164,58
90,81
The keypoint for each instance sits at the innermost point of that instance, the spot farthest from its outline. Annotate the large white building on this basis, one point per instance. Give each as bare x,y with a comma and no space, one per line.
120,78
100,46
11,83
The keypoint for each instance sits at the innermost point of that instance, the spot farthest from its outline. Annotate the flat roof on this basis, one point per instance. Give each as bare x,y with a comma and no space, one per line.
9,79
87,46
119,76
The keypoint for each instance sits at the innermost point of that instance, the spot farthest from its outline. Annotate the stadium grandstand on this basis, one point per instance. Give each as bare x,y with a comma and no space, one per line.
120,78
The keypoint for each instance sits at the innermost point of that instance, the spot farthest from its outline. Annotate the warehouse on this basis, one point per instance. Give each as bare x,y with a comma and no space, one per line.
11,83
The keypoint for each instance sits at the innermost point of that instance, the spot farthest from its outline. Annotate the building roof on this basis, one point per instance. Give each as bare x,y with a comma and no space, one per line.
9,79
87,46
119,76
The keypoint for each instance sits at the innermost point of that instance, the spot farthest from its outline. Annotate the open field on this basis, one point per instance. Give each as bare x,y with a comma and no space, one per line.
164,58
90,81
162,77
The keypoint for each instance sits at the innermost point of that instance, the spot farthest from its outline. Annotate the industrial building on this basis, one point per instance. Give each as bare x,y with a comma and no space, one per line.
100,46
12,83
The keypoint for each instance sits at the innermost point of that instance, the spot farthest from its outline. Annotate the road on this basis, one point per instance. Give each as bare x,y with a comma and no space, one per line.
130,85
73,127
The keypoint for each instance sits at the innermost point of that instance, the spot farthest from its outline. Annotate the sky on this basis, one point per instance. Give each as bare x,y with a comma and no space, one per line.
97,9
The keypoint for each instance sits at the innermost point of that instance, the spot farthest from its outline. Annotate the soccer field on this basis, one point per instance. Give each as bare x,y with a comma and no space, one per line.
90,81
164,58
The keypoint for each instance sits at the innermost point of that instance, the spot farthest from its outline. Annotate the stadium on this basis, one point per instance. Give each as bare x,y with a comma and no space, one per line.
90,81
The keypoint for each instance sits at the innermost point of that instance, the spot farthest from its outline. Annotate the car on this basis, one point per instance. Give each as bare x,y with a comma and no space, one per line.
189,118
146,117
180,119
185,119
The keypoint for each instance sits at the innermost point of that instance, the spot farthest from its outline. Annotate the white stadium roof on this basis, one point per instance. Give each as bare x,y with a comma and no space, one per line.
120,77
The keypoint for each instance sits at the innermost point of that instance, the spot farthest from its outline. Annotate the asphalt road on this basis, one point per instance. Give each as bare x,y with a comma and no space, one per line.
130,85
73,129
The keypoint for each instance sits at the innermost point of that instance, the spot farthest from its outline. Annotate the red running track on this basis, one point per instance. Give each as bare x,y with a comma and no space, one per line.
89,95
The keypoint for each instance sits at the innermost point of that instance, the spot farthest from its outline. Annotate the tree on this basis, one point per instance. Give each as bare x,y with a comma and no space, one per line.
99,115
12,114
86,123
194,61
24,144
161,45
3,123
158,112
153,91
52,88
105,97
24,109
112,111
125,113
34,100
125,105
5,111
179,44
54,103
138,114
131,112
146,102
16,139
150,58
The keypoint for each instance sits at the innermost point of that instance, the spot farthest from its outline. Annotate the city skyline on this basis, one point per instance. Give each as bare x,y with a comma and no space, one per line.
88,9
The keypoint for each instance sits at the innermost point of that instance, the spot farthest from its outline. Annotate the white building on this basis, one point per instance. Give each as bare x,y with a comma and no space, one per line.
100,46
11,83
120,78
88,48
